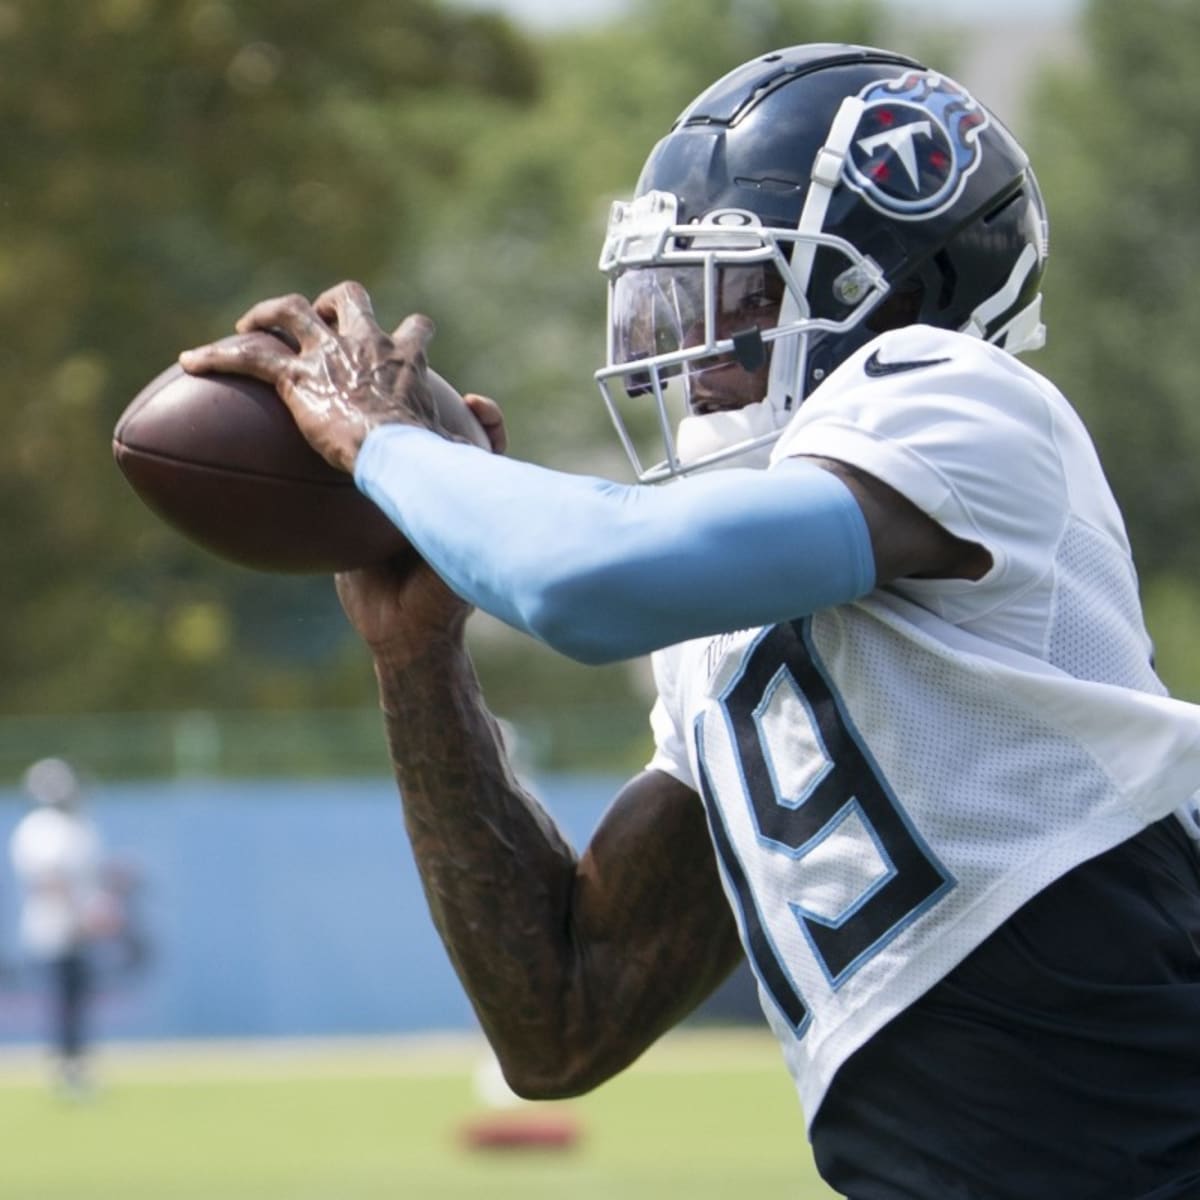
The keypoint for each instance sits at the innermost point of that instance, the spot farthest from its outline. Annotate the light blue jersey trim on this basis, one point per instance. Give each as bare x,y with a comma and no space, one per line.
603,571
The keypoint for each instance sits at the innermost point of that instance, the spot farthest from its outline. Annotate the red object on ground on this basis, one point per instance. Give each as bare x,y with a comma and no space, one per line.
522,1131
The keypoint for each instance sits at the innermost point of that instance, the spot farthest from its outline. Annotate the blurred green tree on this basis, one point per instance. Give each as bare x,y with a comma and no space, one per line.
165,163
1117,154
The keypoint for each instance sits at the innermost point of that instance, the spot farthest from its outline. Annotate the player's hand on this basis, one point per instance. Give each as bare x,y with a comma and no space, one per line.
345,375
487,412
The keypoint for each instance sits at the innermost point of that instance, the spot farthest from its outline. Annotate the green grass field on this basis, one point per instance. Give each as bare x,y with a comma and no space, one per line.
704,1116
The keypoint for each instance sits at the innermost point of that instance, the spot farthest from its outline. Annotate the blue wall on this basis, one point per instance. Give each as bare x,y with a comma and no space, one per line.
275,909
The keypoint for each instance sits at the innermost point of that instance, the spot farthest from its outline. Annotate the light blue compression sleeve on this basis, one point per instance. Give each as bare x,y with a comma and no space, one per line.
603,571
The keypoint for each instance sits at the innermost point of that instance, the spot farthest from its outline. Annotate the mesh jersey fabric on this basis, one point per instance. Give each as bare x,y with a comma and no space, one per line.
888,781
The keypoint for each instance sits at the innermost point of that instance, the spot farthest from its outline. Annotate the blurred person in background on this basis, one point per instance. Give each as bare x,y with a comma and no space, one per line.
912,757
58,859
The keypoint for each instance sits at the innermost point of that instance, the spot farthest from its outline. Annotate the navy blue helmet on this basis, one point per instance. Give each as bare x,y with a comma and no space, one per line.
802,204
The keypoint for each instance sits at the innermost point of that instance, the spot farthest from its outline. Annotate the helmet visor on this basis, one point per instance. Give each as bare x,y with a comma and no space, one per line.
692,319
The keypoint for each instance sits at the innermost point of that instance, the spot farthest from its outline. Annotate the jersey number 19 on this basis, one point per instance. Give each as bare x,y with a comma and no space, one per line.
827,833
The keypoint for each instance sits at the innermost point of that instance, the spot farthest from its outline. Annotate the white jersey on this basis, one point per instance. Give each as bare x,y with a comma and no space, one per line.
57,859
887,781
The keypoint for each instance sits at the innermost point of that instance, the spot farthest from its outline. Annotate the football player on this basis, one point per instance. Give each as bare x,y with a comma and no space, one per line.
912,756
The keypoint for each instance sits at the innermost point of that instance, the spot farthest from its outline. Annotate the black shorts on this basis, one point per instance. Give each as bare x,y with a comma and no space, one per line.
1059,1060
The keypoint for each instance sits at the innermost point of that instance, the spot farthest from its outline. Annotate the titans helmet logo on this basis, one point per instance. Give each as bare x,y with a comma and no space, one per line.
916,144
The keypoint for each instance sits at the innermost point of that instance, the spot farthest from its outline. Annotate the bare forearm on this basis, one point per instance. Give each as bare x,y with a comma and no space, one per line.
574,965
497,873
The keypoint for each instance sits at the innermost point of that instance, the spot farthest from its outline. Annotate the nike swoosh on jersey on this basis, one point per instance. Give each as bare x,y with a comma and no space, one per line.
875,367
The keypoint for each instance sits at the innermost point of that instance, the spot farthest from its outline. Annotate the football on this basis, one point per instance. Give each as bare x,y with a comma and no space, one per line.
219,459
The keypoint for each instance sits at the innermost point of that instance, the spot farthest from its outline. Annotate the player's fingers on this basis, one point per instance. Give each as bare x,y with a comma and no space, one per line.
293,314
413,335
347,308
487,412
256,354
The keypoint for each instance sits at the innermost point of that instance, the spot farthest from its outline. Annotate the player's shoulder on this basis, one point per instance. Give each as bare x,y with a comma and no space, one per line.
922,368
937,392
923,354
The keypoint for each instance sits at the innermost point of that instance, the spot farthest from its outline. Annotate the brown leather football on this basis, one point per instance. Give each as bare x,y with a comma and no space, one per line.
219,458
